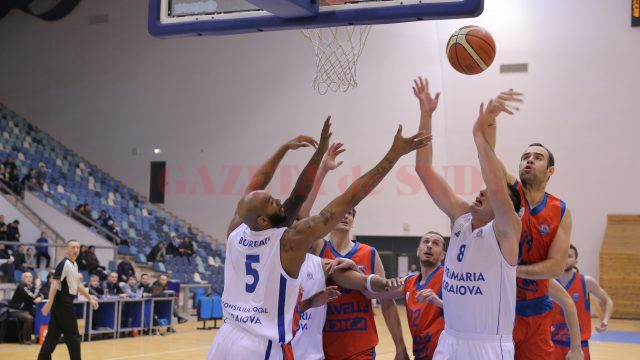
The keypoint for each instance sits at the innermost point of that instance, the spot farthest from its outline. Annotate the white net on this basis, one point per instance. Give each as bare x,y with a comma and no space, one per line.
337,52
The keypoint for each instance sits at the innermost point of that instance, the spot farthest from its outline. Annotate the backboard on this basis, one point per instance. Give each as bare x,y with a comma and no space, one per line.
170,18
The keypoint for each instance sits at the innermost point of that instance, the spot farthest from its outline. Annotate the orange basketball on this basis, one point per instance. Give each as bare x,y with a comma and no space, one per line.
471,50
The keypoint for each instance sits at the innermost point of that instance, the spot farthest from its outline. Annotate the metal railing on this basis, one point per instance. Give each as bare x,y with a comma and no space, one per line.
57,246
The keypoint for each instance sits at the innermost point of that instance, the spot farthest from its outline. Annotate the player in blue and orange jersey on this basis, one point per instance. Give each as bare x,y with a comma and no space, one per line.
579,288
546,230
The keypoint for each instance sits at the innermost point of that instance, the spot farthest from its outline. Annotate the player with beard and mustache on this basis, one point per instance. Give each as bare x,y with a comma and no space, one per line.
265,250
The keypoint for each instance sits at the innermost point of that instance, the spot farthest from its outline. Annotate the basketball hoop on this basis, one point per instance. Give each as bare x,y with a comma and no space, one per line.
337,52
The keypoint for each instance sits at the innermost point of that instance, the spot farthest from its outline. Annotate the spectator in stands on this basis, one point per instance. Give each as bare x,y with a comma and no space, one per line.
30,259
6,262
86,212
111,286
93,264
186,248
22,305
44,288
41,176
3,229
125,269
145,284
174,245
413,270
157,252
13,231
20,258
131,288
77,212
13,180
81,260
2,178
28,180
160,289
94,287
9,164
43,251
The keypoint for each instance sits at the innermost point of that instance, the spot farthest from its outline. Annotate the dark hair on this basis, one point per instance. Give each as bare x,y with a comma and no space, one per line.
575,249
551,160
445,242
91,247
353,212
514,195
144,274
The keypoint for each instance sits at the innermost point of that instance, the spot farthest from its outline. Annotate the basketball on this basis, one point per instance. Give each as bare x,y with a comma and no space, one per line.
471,50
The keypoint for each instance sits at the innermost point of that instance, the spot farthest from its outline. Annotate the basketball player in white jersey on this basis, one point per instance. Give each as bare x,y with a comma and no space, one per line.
479,283
265,253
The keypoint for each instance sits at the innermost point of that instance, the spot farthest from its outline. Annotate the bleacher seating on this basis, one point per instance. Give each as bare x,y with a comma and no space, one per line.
71,180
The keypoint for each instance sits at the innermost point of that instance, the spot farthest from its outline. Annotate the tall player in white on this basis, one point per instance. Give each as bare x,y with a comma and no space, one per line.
265,253
479,284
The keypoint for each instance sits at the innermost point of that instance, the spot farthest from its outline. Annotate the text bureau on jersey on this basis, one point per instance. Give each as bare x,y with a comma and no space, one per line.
253,243
462,277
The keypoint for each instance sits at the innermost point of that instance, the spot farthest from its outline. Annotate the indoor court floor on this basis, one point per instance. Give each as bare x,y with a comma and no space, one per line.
621,342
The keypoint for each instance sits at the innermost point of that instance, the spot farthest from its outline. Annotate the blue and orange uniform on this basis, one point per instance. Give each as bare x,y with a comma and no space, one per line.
577,289
533,306
425,320
349,329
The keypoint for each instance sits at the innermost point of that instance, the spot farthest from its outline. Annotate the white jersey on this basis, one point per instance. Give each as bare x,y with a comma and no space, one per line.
258,295
307,344
479,285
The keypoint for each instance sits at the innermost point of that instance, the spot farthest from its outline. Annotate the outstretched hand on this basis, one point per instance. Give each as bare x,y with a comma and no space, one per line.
301,141
506,102
402,146
324,296
325,136
421,91
329,161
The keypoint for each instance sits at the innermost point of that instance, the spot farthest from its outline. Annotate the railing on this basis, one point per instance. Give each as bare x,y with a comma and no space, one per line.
78,216
30,214
57,246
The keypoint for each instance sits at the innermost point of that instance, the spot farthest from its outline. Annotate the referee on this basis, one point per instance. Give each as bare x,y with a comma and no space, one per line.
65,285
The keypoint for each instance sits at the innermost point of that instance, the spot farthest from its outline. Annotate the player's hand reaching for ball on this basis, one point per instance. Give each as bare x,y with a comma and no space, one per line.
301,141
421,91
329,161
325,136
402,146
506,102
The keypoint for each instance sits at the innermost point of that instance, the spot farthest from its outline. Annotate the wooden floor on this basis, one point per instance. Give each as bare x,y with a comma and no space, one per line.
189,343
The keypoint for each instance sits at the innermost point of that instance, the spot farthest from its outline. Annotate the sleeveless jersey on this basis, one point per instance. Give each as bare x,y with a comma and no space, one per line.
577,289
539,227
350,328
258,295
425,320
479,285
307,344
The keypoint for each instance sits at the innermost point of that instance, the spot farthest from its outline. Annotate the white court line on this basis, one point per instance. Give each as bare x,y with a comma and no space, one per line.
158,353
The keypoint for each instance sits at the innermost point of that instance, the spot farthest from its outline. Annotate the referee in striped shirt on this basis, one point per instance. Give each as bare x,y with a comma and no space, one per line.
65,285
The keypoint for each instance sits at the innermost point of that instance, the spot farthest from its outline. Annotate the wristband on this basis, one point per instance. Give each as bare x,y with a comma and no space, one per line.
369,282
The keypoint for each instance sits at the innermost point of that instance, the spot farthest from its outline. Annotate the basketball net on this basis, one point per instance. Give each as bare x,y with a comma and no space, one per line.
337,52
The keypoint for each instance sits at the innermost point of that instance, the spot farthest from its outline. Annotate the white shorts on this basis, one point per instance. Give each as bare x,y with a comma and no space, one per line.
235,343
457,346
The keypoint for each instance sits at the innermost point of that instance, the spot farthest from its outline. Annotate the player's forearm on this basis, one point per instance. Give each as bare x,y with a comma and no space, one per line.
560,296
608,309
354,280
546,269
424,156
263,176
303,186
305,210
392,319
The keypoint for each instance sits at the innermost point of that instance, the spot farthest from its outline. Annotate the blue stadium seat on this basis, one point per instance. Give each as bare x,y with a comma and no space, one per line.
17,276
159,267
112,265
123,250
141,259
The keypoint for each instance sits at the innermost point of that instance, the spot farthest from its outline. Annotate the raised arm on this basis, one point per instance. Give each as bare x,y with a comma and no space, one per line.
594,288
441,193
263,176
553,265
507,224
305,181
298,238
559,295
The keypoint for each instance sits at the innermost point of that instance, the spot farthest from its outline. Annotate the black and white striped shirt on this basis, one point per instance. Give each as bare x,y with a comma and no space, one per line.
67,273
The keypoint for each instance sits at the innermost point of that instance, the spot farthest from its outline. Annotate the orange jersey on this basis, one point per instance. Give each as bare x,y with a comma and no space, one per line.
349,328
539,227
425,320
577,289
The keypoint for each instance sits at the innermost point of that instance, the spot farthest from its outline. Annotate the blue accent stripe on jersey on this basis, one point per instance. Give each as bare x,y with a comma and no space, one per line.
324,246
568,344
585,294
533,307
421,285
347,255
538,208
373,353
564,207
373,260
281,301
267,354
573,278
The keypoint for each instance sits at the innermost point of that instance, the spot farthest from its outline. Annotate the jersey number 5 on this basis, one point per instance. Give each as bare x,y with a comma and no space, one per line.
248,266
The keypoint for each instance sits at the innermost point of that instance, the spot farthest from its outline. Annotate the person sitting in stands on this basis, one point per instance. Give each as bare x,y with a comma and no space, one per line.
125,269
157,252
44,288
131,288
22,305
111,286
94,287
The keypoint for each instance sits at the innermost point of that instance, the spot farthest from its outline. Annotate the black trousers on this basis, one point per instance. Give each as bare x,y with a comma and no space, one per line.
41,255
63,321
26,320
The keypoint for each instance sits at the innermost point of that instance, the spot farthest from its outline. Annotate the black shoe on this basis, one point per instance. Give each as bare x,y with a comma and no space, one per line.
171,330
182,320
27,342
